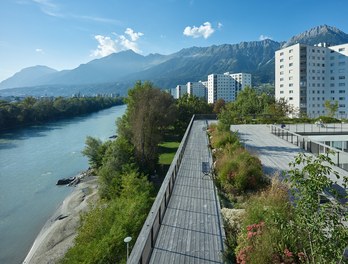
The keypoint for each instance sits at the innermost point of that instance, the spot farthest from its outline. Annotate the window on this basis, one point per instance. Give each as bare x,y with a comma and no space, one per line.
290,51
332,64
281,79
291,57
281,66
291,91
341,49
290,78
341,84
332,85
342,98
341,77
342,91
291,84
281,54
281,92
323,65
342,105
281,73
341,71
282,85
290,64
290,98
332,91
281,60
291,71
341,63
332,78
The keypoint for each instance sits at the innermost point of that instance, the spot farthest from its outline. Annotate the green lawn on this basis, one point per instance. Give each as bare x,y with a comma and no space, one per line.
167,152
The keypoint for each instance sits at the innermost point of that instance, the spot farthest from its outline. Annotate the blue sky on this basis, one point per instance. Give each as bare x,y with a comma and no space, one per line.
62,34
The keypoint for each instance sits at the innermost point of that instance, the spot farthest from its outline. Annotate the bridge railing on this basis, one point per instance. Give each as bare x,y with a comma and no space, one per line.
339,157
145,242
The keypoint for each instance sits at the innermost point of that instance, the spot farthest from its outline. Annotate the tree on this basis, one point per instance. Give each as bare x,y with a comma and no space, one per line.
319,227
94,151
187,106
331,108
219,105
149,112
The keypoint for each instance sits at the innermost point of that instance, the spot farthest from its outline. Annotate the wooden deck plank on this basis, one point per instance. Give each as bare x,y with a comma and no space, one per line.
191,228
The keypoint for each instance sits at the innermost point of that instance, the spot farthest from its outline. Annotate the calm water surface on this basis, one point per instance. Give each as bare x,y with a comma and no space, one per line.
31,162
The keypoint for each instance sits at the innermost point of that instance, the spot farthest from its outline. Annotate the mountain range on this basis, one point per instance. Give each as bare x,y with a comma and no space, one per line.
118,71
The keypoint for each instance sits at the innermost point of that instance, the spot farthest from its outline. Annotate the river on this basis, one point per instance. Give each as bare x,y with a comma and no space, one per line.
31,161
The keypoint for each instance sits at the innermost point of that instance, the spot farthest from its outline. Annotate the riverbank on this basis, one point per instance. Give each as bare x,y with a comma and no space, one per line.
58,234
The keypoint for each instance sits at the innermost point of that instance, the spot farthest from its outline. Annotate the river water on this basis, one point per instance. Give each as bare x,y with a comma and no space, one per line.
31,161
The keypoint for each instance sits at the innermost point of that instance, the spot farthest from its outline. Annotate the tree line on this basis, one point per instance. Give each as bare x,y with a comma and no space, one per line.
33,111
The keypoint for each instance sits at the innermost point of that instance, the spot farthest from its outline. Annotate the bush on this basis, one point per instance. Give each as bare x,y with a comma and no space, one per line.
238,171
100,237
263,237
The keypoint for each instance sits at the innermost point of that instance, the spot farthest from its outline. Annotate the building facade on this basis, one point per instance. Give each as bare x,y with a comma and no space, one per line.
307,76
179,91
198,89
226,86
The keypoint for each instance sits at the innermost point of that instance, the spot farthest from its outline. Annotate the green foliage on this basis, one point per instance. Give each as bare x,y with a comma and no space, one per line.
187,106
324,235
331,108
118,159
251,107
150,111
100,237
266,220
327,119
94,151
32,110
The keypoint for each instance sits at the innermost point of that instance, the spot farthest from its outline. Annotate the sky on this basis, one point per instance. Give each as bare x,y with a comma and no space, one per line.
62,34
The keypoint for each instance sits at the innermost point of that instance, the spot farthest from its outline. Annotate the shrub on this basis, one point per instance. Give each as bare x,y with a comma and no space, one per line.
263,237
238,171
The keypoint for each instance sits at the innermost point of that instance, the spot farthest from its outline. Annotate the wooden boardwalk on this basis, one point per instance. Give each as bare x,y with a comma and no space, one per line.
191,230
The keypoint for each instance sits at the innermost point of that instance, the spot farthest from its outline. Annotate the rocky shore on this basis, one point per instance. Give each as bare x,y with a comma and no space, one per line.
58,234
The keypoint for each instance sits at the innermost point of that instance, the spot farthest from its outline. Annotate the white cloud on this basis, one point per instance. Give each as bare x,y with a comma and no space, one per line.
41,51
204,31
133,35
264,37
107,45
220,25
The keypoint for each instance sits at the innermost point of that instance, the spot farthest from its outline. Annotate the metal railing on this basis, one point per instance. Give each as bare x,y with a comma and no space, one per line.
145,242
318,128
339,157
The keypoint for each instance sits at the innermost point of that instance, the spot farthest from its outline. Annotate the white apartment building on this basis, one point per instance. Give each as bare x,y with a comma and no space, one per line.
198,89
306,76
179,91
226,86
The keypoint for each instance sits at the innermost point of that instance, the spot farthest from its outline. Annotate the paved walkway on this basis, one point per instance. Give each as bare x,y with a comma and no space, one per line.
191,231
274,152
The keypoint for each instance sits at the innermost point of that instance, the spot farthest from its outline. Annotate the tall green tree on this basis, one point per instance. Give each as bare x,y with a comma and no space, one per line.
149,112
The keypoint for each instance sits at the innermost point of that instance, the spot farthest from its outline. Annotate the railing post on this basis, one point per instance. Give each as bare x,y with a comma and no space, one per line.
338,159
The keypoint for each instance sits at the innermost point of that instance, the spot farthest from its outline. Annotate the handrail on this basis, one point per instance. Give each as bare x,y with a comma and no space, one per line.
145,242
340,157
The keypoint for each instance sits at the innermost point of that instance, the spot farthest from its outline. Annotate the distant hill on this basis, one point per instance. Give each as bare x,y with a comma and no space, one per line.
121,70
27,76
194,64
